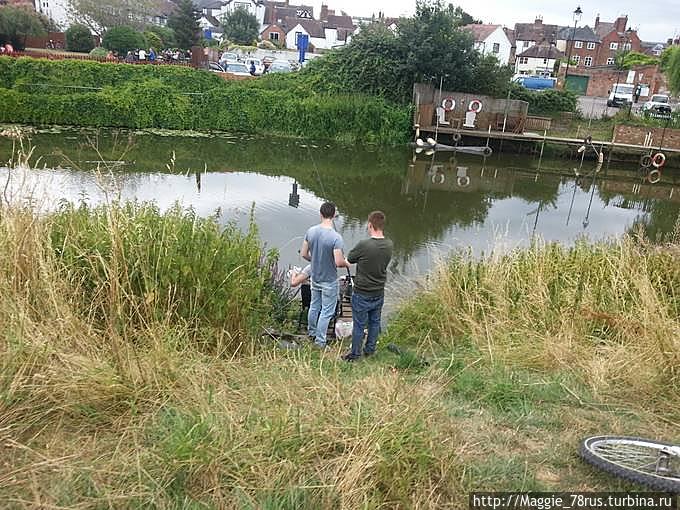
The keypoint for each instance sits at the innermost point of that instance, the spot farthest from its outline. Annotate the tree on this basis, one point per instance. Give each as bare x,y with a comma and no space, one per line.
17,23
672,69
100,15
634,58
184,23
123,39
153,40
166,34
240,26
79,38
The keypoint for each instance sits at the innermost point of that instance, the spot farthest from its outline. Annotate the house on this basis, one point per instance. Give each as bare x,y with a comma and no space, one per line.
491,40
581,45
510,34
532,34
275,12
274,33
211,25
615,37
654,49
218,9
538,60
56,10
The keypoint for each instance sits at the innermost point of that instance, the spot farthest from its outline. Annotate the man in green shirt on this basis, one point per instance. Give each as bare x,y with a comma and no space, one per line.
372,256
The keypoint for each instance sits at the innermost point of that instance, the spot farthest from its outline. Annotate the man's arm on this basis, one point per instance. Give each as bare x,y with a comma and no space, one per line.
340,260
354,254
304,251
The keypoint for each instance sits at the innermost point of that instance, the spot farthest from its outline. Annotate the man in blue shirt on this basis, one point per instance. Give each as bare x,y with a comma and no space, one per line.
323,248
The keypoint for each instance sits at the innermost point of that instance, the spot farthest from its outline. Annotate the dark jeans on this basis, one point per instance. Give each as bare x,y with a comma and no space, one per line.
365,311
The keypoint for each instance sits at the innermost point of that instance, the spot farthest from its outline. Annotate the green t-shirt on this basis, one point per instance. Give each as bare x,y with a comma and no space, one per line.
372,256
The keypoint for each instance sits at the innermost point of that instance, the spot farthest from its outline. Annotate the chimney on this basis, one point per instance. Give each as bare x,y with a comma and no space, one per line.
324,12
620,23
597,21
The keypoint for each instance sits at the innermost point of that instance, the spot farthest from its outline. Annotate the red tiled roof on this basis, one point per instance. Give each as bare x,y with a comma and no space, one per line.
481,32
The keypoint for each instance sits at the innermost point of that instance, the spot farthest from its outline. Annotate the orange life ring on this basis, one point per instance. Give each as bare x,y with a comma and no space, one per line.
448,103
475,106
659,160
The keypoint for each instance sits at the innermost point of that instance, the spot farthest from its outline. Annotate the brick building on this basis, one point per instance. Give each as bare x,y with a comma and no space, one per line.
599,80
581,44
615,37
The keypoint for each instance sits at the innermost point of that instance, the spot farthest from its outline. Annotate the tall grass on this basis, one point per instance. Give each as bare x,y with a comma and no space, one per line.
609,312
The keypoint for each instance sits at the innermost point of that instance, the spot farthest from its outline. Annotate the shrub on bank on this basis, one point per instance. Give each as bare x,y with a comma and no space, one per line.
546,102
36,92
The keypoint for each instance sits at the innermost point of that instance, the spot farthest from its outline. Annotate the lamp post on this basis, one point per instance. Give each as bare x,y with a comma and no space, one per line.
577,17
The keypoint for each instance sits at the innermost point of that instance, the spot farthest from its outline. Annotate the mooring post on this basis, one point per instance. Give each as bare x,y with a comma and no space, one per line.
540,159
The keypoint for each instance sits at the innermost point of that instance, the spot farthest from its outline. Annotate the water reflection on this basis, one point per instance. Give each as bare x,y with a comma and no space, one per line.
433,204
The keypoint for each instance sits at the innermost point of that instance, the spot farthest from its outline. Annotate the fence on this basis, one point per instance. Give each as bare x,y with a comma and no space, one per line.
113,60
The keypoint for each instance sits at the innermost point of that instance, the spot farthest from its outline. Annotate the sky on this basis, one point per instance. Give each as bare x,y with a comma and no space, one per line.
655,20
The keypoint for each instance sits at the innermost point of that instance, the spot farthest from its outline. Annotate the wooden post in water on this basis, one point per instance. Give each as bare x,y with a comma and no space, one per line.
540,159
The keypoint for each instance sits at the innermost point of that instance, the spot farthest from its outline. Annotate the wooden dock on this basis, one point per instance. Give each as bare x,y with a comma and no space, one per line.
537,137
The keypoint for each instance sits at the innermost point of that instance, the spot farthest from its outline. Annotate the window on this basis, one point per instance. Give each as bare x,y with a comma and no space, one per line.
627,46
578,44
274,36
526,44
591,45
588,61
524,60
614,46
545,60
576,59
610,61
496,47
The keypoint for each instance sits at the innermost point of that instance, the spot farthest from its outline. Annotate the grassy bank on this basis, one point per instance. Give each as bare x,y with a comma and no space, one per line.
132,375
92,94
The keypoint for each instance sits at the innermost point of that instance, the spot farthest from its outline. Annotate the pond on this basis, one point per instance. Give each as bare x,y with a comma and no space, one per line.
434,204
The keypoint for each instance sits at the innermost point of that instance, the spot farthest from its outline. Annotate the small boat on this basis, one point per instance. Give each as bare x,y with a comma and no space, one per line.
440,147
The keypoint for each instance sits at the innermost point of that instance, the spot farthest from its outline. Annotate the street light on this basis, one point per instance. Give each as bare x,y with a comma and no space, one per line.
577,17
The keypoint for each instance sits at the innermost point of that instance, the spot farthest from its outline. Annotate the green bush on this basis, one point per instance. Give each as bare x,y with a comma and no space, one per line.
123,39
153,40
546,102
99,52
182,98
79,38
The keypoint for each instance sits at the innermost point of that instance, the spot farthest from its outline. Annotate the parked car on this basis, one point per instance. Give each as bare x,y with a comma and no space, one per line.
215,67
259,67
621,94
267,61
658,103
280,66
237,68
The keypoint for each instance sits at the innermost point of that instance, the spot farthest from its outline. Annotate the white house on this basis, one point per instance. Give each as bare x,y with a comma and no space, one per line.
220,8
56,10
491,40
538,60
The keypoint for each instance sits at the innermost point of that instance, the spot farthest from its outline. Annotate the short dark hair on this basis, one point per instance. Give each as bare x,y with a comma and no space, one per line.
377,220
327,210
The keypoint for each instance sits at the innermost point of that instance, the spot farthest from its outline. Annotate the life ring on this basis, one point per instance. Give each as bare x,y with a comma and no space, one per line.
475,106
463,181
659,160
646,161
448,103
654,176
441,181
487,151
456,137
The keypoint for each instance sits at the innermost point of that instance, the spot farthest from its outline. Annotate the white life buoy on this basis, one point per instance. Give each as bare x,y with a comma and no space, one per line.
441,181
475,106
463,181
659,160
654,176
448,103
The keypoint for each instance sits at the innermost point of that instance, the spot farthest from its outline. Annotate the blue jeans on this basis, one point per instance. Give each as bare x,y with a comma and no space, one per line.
322,310
365,309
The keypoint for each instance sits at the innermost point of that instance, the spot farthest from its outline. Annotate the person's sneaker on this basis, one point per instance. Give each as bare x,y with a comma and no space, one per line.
349,358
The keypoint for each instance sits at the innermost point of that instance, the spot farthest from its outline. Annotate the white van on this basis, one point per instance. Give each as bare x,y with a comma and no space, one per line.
621,94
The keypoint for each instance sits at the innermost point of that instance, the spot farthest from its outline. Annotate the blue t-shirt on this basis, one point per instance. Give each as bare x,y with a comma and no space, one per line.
322,241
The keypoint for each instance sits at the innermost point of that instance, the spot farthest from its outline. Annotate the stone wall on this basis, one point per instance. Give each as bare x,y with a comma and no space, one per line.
637,135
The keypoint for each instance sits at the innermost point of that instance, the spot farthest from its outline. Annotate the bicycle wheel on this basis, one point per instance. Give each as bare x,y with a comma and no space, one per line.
652,463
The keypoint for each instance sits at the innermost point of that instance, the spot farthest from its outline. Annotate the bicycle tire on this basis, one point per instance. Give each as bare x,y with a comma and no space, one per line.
593,451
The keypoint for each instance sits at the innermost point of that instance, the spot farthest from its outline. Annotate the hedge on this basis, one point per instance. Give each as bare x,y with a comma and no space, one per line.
546,102
181,98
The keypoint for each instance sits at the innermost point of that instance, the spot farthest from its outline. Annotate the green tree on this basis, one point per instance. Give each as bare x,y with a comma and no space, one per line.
240,26
634,58
79,38
671,67
17,23
100,15
123,39
166,34
153,40
425,48
184,23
